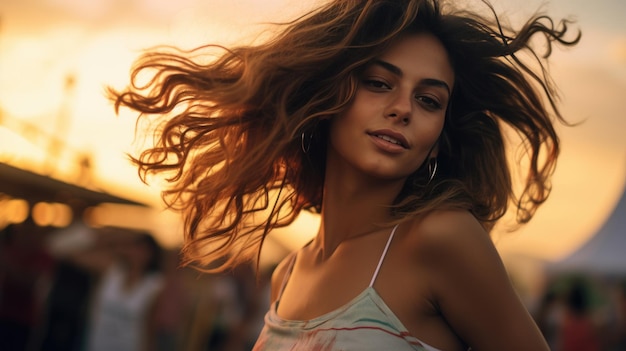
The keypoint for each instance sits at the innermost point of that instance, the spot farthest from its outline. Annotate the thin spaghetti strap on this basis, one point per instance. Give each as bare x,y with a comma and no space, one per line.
287,275
382,257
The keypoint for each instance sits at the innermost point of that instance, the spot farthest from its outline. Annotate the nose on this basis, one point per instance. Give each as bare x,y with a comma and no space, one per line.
400,107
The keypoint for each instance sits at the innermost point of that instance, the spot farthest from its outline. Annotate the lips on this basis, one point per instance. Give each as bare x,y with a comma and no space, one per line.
391,137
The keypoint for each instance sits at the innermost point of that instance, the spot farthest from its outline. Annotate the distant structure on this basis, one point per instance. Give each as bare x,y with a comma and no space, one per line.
605,252
41,183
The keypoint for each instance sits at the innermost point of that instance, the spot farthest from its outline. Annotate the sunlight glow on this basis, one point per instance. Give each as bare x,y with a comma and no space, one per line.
15,148
12,211
52,214
95,43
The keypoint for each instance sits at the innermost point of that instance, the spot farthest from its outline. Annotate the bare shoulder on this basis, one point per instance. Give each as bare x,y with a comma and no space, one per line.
447,233
453,245
279,275
469,283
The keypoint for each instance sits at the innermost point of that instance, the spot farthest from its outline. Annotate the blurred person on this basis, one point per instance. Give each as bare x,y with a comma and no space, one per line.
67,305
173,305
578,331
251,298
618,339
67,308
230,297
549,317
25,273
123,301
386,118
199,323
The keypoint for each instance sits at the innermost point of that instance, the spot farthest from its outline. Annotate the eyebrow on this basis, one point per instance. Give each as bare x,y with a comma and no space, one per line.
427,81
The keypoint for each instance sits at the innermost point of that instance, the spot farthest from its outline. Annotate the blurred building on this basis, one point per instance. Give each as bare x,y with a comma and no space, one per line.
605,252
28,188
35,288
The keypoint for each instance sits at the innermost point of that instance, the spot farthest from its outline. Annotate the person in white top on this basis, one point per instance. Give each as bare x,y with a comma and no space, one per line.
128,267
372,113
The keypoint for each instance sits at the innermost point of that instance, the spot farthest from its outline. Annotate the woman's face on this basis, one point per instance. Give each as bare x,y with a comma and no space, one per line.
398,111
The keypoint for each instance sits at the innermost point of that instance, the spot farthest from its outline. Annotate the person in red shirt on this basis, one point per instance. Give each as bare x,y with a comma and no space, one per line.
578,331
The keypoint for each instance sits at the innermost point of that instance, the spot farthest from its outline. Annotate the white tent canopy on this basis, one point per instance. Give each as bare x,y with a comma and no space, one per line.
605,252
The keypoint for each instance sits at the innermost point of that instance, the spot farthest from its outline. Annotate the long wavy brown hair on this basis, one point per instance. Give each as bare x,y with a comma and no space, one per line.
241,132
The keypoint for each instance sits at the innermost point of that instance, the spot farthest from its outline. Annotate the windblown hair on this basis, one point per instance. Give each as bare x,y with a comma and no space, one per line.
229,133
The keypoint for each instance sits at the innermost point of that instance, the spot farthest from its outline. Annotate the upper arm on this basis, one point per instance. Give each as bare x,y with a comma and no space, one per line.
473,291
85,248
94,261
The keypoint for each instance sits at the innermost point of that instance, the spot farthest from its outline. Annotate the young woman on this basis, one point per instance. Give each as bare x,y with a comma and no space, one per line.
388,118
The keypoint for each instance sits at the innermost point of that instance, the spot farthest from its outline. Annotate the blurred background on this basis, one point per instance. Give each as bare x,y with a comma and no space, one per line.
72,206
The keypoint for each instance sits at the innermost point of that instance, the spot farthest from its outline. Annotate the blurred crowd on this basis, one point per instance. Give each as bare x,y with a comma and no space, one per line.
584,313
84,289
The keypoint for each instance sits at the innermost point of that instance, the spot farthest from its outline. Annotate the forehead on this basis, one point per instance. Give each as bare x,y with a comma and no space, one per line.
421,55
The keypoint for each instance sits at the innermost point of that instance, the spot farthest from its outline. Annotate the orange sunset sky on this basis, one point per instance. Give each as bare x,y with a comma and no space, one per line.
43,42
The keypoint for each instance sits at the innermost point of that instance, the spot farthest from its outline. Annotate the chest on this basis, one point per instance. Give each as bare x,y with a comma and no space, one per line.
312,291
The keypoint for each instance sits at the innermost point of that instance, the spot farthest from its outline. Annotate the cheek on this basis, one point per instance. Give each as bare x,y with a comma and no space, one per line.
335,137
342,129
429,132
429,136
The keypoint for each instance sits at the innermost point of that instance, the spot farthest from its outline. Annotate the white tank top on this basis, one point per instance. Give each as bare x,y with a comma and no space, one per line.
365,323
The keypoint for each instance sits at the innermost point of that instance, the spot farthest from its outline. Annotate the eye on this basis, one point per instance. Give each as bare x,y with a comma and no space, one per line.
376,84
429,102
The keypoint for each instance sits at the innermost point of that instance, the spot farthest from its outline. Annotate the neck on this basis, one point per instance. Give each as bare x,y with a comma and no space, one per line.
353,207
